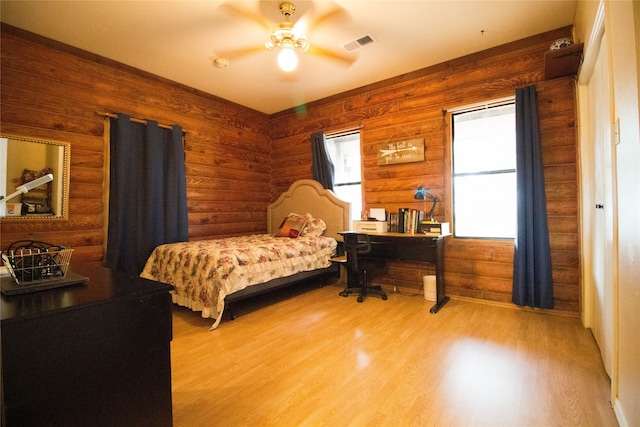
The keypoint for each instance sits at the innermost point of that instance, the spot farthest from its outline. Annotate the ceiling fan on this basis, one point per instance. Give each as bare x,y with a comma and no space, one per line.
286,37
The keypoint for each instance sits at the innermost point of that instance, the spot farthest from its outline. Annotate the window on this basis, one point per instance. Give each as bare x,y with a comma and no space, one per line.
484,172
344,150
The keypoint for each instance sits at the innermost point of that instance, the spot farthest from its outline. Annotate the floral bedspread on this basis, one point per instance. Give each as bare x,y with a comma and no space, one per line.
204,272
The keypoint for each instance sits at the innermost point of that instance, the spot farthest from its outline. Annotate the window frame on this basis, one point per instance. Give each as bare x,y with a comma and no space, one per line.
355,212
451,176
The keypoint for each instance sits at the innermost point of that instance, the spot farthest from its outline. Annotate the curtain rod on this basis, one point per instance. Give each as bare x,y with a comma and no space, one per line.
342,130
479,105
135,120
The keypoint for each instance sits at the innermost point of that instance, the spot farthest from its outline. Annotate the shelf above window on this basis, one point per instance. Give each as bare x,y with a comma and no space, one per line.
563,62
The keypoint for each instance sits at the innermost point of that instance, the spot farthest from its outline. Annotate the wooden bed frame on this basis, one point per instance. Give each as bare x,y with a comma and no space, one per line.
304,196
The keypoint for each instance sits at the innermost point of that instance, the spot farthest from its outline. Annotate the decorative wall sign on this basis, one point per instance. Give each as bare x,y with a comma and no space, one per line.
407,151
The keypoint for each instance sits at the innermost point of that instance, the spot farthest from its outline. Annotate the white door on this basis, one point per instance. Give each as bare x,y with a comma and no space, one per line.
601,242
4,191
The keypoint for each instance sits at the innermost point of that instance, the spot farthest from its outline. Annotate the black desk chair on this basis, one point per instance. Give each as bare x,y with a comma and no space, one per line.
355,245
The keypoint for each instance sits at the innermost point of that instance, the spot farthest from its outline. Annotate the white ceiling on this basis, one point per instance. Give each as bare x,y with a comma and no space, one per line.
179,39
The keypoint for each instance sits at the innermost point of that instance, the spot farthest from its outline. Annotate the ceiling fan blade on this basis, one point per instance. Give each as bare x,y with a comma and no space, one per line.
247,14
239,53
336,13
344,59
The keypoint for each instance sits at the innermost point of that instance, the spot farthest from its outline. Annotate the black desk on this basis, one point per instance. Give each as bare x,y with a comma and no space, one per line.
95,353
409,247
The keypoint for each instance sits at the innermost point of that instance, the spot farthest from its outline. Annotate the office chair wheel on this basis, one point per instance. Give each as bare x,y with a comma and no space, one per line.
384,297
360,299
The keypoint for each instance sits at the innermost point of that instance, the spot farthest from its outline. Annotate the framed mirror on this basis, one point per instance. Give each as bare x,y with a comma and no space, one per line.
24,160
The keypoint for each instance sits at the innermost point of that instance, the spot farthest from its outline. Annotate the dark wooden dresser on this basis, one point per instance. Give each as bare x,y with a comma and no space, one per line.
92,354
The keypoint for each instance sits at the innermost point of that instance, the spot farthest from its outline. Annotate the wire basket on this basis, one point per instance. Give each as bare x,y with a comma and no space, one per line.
32,262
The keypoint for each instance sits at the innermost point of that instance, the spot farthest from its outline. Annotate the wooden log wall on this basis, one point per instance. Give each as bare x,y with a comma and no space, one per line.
55,92
411,106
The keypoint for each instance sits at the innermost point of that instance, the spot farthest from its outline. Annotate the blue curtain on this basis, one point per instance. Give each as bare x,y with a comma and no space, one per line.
147,195
321,166
532,278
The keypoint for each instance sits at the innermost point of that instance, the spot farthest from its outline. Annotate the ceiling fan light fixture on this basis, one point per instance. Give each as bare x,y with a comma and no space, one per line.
287,36
287,59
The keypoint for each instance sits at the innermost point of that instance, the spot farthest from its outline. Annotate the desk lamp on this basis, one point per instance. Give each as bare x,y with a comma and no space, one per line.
423,194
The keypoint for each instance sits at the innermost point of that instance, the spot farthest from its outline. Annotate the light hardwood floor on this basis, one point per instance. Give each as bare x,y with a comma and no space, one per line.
318,359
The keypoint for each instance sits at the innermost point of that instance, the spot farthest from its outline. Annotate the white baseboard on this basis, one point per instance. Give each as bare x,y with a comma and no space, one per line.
622,420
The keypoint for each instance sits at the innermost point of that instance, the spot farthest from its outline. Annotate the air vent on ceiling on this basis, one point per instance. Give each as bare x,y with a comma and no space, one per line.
356,44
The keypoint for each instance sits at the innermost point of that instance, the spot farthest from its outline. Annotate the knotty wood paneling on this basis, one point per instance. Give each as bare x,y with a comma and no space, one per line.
411,106
52,91
238,160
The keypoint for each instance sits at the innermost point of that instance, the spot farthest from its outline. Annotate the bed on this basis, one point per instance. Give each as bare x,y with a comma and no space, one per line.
209,274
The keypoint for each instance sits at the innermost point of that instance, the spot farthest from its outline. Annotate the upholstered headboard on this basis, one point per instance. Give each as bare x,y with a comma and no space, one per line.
308,196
